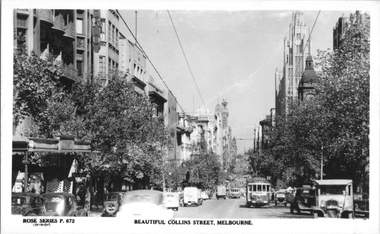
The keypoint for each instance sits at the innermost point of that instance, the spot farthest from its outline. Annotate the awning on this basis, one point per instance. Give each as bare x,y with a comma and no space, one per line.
20,144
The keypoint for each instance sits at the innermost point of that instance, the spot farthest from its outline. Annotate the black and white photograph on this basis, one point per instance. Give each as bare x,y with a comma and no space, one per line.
190,116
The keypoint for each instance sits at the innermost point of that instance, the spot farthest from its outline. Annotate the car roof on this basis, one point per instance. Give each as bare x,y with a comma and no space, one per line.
27,194
58,194
333,182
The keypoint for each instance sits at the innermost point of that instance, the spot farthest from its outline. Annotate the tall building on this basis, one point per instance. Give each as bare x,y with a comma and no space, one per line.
171,121
106,56
223,136
60,36
296,47
342,27
279,91
132,61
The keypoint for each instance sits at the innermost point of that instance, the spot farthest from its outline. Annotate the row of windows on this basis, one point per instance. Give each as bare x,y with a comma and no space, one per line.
112,65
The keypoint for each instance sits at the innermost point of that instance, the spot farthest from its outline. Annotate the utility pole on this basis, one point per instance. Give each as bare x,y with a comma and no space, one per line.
322,163
136,27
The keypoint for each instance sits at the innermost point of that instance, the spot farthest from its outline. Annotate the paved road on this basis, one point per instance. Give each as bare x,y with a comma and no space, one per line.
235,209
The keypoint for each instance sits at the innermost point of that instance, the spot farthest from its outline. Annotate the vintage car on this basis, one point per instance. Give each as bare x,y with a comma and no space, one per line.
192,196
334,198
209,193
204,196
171,200
27,204
111,203
361,205
221,192
62,204
304,199
280,197
144,204
234,193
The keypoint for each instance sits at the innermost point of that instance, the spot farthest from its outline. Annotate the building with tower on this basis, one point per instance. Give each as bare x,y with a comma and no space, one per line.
296,47
308,81
223,132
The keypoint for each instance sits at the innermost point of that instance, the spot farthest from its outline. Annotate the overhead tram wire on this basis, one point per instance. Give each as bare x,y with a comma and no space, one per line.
130,31
187,62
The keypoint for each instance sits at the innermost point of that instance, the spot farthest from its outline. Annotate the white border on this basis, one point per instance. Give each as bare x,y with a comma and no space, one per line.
11,224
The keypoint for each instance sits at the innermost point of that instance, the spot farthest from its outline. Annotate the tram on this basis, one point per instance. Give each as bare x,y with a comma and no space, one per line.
258,191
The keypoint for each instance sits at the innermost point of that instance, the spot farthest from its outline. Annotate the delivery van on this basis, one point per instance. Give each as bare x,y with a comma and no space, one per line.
221,192
191,195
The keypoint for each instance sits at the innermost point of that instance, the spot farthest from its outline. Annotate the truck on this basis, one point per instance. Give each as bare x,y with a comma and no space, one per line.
221,192
191,195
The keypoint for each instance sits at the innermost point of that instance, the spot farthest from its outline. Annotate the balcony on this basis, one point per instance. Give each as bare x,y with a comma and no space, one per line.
69,71
70,30
23,12
59,23
46,16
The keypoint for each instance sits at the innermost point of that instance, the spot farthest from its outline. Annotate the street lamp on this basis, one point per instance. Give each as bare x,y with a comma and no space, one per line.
322,162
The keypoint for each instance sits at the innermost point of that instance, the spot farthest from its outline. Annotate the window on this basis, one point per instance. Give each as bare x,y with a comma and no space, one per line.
80,67
117,38
113,34
79,26
102,65
109,66
109,32
103,32
21,21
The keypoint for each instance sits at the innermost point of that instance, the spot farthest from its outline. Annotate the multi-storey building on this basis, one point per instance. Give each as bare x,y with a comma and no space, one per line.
296,47
62,37
279,91
106,56
184,129
223,133
132,61
341,29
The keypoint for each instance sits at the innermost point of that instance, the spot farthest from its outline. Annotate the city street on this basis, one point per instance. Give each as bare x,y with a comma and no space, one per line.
235,209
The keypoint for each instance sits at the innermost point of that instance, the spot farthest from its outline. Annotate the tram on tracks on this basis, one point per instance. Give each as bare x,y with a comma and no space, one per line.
258,191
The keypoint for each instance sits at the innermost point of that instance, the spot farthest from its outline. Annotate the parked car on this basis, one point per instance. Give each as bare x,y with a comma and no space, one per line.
144,204
209,193
204,196
221,192
27,204
62,204
234,193
361,205
335,199
171,200
280,197
192,196
304,200
111,203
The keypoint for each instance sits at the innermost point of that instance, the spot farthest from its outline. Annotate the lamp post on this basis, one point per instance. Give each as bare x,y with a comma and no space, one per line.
322,162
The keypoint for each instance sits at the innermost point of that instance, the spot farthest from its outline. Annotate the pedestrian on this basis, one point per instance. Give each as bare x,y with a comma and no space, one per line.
96,200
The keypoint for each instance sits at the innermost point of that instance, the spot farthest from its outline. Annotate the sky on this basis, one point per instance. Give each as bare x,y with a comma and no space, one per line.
232,55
